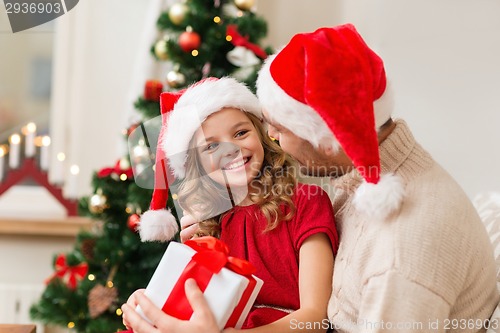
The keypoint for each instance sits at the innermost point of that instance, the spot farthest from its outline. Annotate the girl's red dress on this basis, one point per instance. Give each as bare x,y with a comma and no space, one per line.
275,254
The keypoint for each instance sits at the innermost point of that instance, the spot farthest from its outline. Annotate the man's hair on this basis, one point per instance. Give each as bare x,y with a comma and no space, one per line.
273,187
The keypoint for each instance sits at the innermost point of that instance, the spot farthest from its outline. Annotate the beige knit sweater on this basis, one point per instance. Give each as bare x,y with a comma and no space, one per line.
428,268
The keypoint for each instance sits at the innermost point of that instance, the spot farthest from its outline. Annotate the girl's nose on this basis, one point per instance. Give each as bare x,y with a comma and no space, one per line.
230,150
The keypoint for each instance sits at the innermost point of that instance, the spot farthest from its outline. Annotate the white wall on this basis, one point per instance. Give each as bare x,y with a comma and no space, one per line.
443,58
28,259
288,17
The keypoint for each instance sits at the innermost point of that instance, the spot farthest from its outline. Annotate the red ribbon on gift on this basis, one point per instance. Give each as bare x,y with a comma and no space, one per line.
239,40
210,257
70,274
105,172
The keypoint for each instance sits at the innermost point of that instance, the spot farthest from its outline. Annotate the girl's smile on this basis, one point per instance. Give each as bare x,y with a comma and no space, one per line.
229,148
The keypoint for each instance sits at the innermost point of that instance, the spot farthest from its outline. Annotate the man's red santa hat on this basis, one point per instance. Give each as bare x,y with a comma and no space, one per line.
329,88
183,113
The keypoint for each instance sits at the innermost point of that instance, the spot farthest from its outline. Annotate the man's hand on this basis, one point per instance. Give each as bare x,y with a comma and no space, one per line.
189,227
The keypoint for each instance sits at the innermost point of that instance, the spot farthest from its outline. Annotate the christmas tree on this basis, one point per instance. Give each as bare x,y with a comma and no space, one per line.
199,38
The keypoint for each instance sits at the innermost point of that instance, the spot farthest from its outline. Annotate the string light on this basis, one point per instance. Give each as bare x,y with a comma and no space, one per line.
31,127
91,277
38,141
174,196
194,53
128,210
61,157
110,284
46,140
15,139
229,38
71,324
119,312
74,170
217,19
123,177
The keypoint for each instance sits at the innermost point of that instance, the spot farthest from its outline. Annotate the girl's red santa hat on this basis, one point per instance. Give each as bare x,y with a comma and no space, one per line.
182,114
329,88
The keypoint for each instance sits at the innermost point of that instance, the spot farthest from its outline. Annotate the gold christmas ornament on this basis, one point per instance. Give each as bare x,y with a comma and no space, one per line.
175,79
98,203
161,49
100,299
177,13
244,4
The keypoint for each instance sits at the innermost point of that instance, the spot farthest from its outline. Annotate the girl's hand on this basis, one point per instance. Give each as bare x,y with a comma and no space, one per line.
189,226
132,302
201,321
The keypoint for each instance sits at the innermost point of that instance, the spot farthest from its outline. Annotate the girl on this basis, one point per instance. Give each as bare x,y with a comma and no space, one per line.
215,141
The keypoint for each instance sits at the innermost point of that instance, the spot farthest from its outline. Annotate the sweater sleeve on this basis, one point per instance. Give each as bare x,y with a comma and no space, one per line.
392,302
314,215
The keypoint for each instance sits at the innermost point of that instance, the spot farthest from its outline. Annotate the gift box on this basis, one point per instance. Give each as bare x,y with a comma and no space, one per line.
227,283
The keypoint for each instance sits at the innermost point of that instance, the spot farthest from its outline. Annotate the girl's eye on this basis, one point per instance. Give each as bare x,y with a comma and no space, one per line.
211,146
241,133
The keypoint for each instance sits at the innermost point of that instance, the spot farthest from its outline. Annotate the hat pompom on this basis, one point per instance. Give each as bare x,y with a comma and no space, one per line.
157,225
381,199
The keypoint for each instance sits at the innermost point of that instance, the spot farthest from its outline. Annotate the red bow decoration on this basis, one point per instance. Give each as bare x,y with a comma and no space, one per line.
69,274
211,256
239,40
105,172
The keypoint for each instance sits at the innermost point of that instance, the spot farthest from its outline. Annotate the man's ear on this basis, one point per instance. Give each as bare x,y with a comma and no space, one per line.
327,150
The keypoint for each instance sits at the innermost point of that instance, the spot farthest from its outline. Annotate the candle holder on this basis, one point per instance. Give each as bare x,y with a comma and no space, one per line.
29,170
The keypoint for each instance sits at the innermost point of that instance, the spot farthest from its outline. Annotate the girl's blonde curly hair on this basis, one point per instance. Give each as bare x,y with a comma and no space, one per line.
272,189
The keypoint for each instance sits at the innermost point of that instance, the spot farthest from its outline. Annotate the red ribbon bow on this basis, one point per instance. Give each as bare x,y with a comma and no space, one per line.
70,274
211,256
239,40
105,172
214,255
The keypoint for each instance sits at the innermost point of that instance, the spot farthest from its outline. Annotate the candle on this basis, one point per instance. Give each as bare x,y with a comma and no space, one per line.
57,172
2,154
72,186
44,153
29,148
14,151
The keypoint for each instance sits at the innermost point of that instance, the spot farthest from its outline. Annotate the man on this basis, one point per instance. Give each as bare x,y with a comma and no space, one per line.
414,255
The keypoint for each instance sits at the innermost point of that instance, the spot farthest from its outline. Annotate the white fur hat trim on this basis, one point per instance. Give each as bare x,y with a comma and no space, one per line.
157,225
379,200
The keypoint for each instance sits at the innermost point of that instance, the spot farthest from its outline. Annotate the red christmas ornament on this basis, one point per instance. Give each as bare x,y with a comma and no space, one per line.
189,41
133,222
152,90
